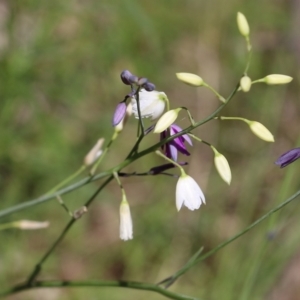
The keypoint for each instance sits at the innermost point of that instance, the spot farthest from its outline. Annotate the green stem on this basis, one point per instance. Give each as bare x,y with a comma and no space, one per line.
38,266
230,240
221,98
99,284
65,181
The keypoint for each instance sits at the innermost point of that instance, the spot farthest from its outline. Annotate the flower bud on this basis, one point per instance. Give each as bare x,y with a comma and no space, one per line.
149,86
222,166
166,120
288,157
190,79
94,153
261,131
142,81
125,77
126,231
245,84
133,79
121,125
277,79
119,113
31,225
243,25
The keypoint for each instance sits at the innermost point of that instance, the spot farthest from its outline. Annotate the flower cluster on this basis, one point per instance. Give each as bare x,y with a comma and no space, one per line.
147,103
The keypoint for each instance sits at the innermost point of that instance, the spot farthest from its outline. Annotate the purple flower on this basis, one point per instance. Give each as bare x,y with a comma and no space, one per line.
288,157
119,113
171,148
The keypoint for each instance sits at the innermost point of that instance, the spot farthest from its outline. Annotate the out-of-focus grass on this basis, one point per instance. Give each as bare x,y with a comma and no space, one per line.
59,83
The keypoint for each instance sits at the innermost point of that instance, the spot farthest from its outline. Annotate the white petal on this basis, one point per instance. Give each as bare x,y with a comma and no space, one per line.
188,193
151,104
126,231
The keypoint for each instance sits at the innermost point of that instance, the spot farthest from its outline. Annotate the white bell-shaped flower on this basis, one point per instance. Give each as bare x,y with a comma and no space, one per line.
152,104
188,193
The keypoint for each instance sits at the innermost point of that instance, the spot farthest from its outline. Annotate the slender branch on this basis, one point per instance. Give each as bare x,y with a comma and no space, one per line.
38,266
170,280
99,284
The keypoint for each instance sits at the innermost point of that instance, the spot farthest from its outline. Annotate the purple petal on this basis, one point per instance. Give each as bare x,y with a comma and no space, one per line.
179,146
173,152
125,77
175,129
288,157
119,113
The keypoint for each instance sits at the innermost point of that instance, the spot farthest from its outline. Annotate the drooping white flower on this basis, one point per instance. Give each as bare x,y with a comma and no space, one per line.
152,104
126,231
188,193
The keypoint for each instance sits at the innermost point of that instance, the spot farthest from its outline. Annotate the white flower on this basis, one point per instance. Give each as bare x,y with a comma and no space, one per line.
188,193
126,232
152,104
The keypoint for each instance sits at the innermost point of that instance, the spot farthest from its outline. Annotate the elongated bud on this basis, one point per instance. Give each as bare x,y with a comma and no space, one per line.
121,125
243,25
277,79
149,86
245,84
125,75
119,113
222,166
126,231
166,120
31,225
94,153
261,131
190,79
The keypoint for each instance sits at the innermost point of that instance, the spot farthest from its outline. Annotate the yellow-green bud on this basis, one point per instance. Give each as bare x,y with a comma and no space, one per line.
166,120
261,131
222,166
243,25
245,84
277,79
190,79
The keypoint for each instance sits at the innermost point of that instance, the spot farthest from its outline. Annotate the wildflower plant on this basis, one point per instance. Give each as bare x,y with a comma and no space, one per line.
154,114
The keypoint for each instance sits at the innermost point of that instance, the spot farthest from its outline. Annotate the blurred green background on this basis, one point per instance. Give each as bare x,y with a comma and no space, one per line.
59,84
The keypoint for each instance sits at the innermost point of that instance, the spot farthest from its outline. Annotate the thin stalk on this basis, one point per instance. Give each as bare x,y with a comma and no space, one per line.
65,181
230,240
99,284
38,266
